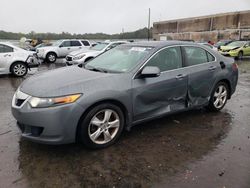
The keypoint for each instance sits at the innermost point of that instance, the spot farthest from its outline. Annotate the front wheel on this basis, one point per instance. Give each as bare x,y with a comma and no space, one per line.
51,57
219,97
102,126
19,69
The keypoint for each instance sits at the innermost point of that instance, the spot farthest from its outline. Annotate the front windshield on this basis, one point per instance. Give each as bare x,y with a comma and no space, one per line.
120,59
236,43
57,43
99,47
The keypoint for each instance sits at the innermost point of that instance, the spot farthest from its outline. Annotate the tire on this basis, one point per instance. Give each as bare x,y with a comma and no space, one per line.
240,55
19,69
218,97
51,57
101,127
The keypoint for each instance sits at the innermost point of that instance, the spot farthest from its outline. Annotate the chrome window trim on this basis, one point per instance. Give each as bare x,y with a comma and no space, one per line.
181,45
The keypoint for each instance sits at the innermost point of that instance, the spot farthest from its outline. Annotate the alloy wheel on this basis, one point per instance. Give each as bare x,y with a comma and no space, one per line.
104,126
19,69
220,96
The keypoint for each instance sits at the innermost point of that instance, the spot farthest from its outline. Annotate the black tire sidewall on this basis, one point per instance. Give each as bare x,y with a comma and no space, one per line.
211,101
84,124
12,69
47,57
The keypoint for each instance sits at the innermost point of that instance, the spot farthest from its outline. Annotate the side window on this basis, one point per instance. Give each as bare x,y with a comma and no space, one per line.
195,55
66,44
85,43
75,43
167,59
5,49
2,49
210,57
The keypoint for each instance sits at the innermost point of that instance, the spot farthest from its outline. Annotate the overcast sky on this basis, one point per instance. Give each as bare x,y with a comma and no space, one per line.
108,16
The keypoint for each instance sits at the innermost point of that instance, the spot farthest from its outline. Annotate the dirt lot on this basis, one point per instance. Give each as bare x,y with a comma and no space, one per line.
191,149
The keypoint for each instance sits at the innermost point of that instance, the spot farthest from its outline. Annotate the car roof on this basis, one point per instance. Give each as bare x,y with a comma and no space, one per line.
159,44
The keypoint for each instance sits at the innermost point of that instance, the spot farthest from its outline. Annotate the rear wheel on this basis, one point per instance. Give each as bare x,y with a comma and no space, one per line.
51,57
102,126
219,97
19,69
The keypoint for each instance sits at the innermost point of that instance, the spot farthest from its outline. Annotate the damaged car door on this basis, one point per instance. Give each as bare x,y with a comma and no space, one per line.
202,70
157,95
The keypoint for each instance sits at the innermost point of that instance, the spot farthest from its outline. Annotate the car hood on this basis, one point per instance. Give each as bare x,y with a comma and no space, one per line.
229,47
65,81
80,52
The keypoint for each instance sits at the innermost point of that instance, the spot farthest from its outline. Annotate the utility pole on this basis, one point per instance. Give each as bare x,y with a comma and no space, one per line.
149,24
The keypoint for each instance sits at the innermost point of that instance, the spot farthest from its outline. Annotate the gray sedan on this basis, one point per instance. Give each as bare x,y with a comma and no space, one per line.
130,84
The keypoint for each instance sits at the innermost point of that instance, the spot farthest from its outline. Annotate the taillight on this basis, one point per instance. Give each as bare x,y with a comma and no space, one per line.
235,67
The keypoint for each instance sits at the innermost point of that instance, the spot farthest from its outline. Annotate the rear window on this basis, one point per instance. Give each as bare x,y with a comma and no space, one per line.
196,56
5,49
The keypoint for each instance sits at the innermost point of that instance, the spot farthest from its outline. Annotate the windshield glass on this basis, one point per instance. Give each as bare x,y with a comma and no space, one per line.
120,59
99,47
237,43
57,43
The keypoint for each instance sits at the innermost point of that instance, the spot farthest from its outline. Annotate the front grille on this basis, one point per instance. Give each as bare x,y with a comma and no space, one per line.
68,58
19,102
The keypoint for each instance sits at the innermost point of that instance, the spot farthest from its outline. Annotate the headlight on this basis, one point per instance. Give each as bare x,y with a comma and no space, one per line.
36,102
78,57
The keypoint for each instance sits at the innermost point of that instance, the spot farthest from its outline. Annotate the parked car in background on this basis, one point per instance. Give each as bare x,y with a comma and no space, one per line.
236,49
127,85
61,49
222,43
208,45
15,60
82,56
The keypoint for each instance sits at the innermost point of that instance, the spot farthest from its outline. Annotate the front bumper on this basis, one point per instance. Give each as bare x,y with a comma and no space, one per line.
230,53
54,125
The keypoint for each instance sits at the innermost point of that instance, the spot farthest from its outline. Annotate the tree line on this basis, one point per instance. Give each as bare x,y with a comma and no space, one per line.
138,34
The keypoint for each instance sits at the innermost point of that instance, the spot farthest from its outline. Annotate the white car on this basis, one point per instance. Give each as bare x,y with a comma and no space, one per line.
15,60
61,49
82,56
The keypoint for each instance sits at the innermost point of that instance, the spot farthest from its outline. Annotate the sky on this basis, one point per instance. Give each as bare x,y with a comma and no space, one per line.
106,16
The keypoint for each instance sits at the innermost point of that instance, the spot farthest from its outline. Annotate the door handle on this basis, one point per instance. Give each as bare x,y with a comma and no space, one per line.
7,55
212,68
68,48
180,76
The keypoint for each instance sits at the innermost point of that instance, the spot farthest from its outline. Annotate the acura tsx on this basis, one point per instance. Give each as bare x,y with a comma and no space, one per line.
132,83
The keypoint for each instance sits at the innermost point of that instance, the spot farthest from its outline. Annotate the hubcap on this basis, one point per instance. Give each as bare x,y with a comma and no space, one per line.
104,126
52,57
220,96
19,69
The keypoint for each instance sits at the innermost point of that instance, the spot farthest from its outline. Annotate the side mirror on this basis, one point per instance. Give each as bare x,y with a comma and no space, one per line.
246,46
61,46
150,72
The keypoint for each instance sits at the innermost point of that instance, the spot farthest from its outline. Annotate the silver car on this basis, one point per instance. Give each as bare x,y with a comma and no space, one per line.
15,60
127,85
